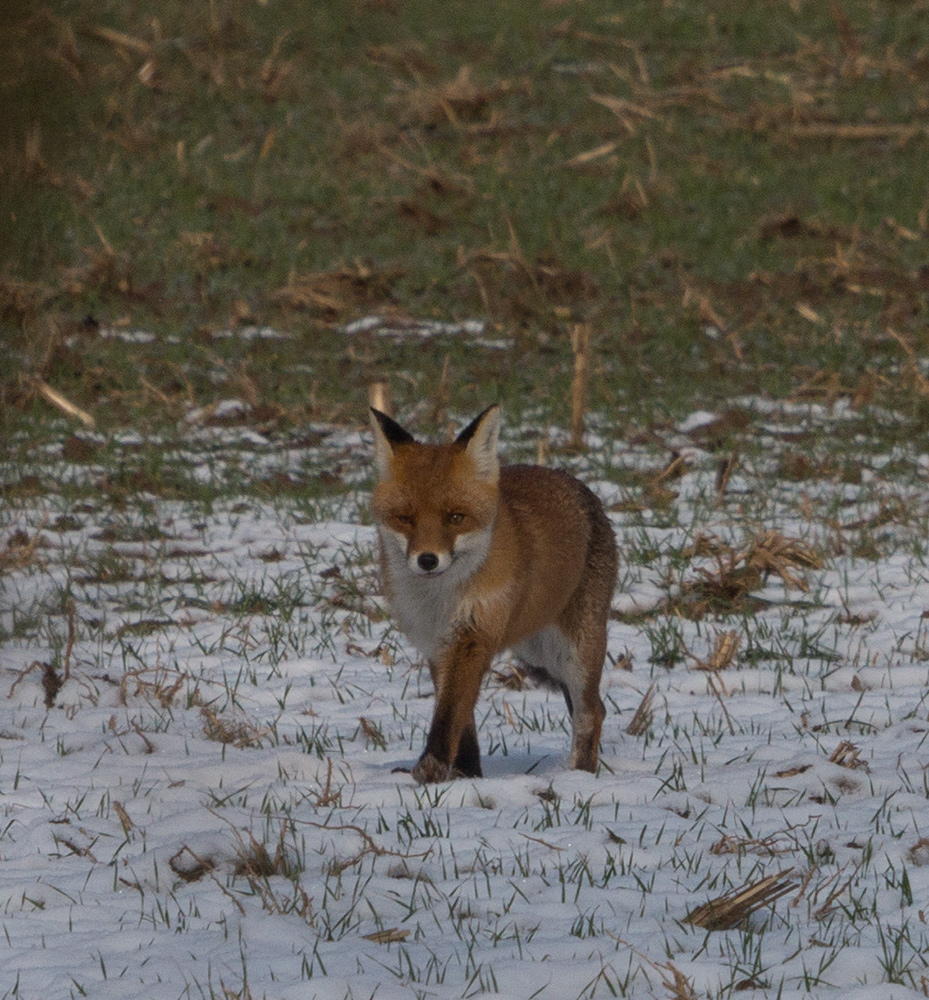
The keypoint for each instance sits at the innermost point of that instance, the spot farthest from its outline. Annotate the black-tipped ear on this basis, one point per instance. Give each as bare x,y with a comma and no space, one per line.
480,443
394,433
387,435
465,436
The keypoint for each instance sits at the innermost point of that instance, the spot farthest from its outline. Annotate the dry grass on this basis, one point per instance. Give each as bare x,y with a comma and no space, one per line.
237,732
733,908
21,549
679,987
765,846
153,684
339,292
461,101
729,586
740,570
722,655
392,935
847,755
641,720
189,866
256,861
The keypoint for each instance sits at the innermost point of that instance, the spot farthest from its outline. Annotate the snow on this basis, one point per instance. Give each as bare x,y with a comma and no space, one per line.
212,808
400,328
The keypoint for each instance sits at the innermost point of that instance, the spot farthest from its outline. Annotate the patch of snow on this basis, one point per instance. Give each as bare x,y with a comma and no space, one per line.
211,804
127,336
397,328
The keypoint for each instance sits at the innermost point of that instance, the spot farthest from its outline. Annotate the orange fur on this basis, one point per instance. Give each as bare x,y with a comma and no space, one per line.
477,559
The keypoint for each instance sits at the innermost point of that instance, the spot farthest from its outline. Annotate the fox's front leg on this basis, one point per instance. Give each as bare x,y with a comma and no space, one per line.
451,748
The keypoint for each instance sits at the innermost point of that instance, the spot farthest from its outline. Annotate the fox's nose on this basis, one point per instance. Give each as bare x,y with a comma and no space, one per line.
427,561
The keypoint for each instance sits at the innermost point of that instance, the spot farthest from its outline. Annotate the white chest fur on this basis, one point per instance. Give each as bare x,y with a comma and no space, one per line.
429,606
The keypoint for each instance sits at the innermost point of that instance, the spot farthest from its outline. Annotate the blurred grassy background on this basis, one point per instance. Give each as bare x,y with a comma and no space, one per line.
733,195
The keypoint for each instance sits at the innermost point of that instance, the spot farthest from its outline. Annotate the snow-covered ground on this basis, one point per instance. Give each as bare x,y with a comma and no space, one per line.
210,806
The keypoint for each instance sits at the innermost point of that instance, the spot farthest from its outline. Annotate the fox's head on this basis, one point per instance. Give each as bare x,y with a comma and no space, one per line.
435,504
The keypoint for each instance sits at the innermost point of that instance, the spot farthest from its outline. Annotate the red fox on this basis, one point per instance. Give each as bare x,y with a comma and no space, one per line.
478,558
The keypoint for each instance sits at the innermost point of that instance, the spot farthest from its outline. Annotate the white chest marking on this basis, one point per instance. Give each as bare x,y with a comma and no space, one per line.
428,606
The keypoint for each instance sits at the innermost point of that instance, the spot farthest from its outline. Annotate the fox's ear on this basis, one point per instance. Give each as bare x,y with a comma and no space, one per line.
387,433
480,441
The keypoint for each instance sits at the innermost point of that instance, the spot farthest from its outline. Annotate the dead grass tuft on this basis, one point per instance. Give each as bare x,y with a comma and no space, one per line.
457,101
52,683
918,854
767,846
20,549
679,987
236,732
153,684
406,58
847,755
189,866
104,270
22,301
514,287
641,720
340,291
372,733
674,469
256,861
774,553
723,654
392,935
733,908
739,571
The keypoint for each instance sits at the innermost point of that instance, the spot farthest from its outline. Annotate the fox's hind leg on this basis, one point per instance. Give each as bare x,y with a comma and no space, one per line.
572,659
584,625
582,694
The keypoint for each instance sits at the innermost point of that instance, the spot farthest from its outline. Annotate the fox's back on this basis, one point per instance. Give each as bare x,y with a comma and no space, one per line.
548,495
552,531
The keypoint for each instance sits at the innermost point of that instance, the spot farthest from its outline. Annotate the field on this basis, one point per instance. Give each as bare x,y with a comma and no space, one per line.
684,245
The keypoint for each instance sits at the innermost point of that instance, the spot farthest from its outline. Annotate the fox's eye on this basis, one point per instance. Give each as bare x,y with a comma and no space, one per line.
456,517
404,518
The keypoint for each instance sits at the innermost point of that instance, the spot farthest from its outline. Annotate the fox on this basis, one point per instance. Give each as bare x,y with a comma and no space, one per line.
477,558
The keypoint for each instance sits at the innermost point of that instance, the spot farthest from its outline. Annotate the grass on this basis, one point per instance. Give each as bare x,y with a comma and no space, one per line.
197,201
689,183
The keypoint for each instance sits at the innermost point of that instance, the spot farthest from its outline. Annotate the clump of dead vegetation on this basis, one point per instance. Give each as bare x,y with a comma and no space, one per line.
340,291
723,653
733,908
461,101
241,733
22,549
728,586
